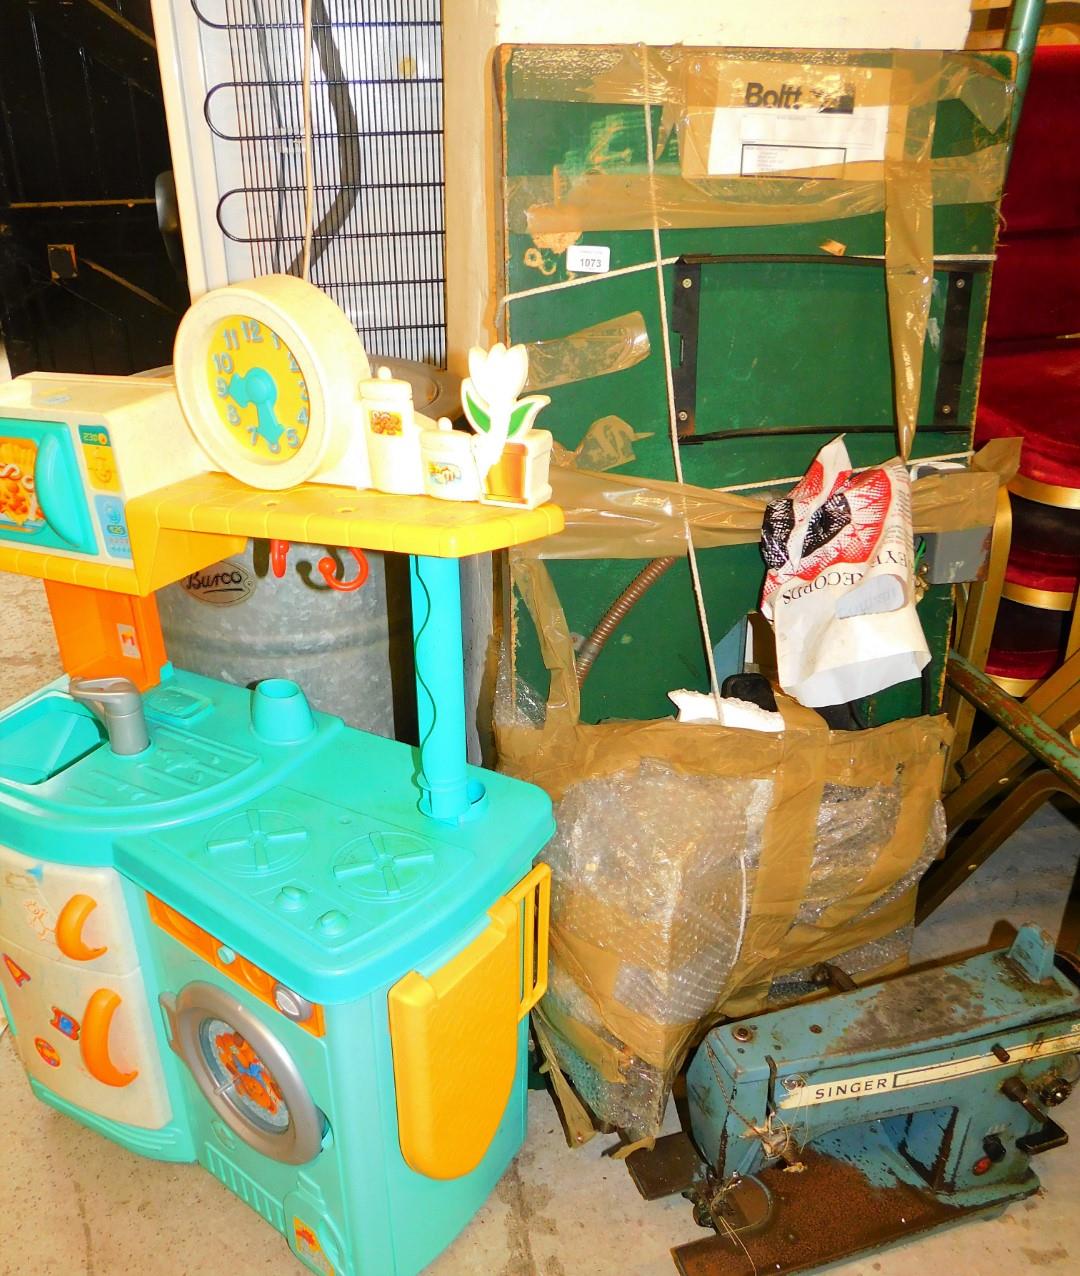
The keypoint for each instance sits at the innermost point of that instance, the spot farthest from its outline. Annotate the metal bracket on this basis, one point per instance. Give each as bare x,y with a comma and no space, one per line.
685,315
953,347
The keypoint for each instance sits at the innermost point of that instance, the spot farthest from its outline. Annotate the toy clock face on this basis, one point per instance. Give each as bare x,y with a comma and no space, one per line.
267,373
258,388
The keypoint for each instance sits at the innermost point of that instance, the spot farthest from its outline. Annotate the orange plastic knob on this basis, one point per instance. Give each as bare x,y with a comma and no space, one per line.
69,929
94,1042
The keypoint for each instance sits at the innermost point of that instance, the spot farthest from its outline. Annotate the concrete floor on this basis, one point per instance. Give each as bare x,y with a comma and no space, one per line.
72,1204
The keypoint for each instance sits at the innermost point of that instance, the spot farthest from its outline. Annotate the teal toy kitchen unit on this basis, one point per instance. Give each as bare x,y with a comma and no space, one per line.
233,929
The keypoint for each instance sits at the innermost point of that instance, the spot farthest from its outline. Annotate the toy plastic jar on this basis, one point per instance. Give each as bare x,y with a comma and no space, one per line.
450,472
393,435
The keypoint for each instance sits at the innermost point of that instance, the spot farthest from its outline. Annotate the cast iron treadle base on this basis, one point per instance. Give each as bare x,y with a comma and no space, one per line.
822,1214
672,1166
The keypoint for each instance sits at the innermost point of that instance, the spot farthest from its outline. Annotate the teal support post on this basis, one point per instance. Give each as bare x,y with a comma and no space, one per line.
435,585
1020,38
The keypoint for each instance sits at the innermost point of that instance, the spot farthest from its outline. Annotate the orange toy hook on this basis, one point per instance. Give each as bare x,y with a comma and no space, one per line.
327,569
279,554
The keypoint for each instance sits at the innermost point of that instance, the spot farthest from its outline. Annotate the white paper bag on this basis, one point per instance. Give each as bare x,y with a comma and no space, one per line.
840,587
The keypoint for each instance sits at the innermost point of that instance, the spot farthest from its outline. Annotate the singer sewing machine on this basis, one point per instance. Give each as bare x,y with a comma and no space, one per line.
851,1122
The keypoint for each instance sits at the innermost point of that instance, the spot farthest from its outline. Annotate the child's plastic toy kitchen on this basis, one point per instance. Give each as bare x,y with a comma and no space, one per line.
231,928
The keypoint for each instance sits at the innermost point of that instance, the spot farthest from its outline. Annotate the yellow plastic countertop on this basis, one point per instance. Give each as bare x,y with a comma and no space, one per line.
219,506
68,571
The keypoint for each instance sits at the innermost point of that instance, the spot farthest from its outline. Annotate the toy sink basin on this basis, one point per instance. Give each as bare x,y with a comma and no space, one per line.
40,739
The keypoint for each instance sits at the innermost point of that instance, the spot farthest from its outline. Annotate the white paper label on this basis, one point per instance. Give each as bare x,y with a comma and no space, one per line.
588,259
749,141
932,1074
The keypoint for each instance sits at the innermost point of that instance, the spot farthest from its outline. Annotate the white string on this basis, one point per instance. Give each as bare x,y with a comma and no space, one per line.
583,279
673,429
658,265
309,161
732,1234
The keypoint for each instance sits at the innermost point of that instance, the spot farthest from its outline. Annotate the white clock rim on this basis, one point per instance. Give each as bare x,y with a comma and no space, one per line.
196,400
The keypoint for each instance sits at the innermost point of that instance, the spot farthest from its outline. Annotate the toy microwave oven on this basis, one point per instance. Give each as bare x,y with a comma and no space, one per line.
75,450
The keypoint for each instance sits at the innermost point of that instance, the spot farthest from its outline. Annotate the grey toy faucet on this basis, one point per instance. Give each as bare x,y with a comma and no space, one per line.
118,702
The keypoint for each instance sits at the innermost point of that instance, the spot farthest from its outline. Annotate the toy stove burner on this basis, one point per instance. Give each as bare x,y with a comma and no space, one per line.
255,842
384,866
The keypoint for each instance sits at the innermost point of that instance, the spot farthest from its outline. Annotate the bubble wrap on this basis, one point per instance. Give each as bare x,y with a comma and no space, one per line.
648,867
646,864
890,948
636,1105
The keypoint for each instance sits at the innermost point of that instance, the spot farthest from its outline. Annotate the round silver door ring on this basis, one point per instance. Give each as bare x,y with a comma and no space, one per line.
301,1140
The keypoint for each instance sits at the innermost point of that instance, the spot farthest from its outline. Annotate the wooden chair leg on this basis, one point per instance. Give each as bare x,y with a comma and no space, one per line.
976,632
966,853
1001,759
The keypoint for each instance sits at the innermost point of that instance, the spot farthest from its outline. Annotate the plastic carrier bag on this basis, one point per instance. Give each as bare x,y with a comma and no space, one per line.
696,866
840,589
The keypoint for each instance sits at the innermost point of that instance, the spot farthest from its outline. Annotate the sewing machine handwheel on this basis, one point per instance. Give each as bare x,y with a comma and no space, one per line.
742,1205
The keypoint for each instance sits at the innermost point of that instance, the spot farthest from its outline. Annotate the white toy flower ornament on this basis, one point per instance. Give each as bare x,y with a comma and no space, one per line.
490,399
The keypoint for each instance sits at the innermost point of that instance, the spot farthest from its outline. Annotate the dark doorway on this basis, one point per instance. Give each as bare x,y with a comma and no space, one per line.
86,284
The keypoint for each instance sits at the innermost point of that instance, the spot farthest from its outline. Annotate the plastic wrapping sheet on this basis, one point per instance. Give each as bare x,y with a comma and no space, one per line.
622,516
681,89
695,864
606,347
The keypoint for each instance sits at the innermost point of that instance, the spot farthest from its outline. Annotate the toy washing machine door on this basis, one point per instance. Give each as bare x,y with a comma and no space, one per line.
245,1074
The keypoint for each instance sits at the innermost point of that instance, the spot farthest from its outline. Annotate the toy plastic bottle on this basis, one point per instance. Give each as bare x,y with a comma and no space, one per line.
393,435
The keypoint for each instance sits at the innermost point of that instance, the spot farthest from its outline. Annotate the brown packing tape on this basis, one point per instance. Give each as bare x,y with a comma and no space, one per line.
782,878
609,73
1001,458
914,757
787,849
609,193
594,970
611,1061
909,227
607,444
810,952
623,516
612,74
689,85
610,346
608,1059
626,200
639,1145
579,1125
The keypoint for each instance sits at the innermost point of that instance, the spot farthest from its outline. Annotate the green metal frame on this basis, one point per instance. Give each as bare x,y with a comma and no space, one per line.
773,354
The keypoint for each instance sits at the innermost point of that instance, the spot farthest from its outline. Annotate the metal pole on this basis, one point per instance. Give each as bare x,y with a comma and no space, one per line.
1056,752
435,585
1020,38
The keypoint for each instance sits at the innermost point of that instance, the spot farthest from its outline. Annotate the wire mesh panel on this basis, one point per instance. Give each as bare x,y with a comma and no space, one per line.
376,123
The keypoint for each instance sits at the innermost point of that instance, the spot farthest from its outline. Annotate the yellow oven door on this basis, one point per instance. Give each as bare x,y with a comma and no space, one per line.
454,1034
